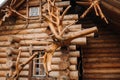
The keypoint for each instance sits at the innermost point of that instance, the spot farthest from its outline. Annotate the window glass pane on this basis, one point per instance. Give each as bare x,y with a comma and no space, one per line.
34,11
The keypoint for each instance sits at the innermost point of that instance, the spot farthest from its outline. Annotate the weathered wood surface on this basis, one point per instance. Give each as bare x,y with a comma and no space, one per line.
101,57
22,74
111,9
55,60
72,74
23,78
26,48
56,54
58,3
37,29
5,67
57,67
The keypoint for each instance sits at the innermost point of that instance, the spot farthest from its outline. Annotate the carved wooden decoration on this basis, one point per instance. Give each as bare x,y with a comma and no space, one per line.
93,4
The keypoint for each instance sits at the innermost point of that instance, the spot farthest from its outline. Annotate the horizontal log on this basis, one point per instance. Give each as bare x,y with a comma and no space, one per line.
73,74
22,73
32,25
22,26
20,78
57,67
102,76
71,54
5,67
11,51
26,36
103,71
79,41
36,30
10,64
104,45
59,4
65,22
24,31
57,60
102,65
14,39
56,54
102,55
102,50
101,60
26,48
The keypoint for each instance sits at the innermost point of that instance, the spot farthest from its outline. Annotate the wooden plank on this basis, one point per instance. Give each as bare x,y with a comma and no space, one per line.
102,76
101,65
103,71
95,55
101,60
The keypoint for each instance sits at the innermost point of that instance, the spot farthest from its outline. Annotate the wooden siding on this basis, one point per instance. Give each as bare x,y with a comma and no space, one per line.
35,34
101,56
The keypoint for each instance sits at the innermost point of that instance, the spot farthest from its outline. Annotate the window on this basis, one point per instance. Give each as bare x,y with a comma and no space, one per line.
37,70
38,66
34,11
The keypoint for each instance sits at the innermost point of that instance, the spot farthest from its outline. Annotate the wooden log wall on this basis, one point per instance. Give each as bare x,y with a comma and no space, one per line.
35,34
101,56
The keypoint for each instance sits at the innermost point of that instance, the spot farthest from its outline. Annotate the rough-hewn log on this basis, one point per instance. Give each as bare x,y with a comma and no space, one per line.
71,54
22,26
73,74
65,22
79,41
57,60
80,33
11,51
36,29
59,4
24,31
26,36
14,39
26,48
57,67
32,25
21,78
56,54
22,74
5,67
11,64
102,71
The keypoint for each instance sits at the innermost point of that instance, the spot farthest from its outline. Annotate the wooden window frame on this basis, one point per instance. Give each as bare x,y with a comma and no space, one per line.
31,67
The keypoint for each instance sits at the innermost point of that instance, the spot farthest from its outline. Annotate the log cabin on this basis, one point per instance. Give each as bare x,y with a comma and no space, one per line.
59,40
